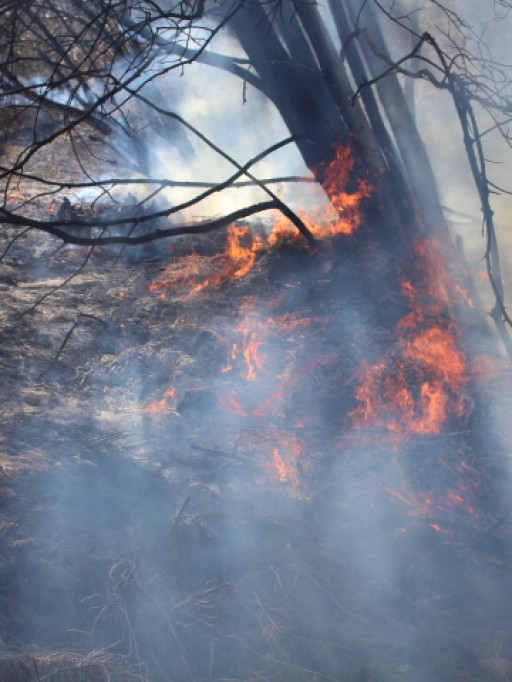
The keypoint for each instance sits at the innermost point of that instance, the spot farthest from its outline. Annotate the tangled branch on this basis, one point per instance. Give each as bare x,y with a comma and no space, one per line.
467,90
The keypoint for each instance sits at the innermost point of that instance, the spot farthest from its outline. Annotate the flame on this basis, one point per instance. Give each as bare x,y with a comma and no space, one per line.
289,322
419,384
242,257
285,471
432,504
155,408
251,328
238,259
163,404
282,230
254,331
181,274
344,213
287,450
398,495
343,216
486,370
338,175
416,392
194,273
232,357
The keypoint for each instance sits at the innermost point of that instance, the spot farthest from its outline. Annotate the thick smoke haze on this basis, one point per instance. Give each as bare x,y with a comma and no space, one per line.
219,496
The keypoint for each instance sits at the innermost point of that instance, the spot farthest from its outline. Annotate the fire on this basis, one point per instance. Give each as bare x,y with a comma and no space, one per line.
418,390
232,357
180,275
194,273
168,400
287,450
285,471
155,408
289,322
419,385
269,403
398,495
486,370
243,248
339,174
242,257
254,331
435,503
237,261
231,404
344,213
282,230
251,329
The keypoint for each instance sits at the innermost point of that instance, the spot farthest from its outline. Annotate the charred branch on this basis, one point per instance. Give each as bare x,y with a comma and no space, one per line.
56,230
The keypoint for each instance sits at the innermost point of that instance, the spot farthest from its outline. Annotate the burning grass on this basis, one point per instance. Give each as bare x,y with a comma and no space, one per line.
223,483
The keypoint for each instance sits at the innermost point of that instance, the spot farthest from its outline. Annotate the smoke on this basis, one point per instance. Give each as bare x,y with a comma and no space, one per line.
226,127
207,505
171,534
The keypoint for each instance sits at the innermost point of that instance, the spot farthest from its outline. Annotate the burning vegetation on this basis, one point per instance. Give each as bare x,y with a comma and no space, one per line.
420,385
274,448
264,461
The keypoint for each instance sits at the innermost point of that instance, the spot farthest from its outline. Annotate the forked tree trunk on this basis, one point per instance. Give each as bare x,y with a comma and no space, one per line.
312,85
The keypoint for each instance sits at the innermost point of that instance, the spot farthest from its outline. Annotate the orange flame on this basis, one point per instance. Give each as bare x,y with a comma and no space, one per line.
195,273
232,357
269,403
162,405
285,471
419,384
347,205
236,261
251,328
286,452
289,322
419,391
343,216
179,275
155,408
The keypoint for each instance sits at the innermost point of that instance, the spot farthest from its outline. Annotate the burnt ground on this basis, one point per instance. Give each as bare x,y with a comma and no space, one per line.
165,517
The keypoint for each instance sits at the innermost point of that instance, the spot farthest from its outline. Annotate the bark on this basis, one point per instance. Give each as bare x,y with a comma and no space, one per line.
408,141
301,98
300,70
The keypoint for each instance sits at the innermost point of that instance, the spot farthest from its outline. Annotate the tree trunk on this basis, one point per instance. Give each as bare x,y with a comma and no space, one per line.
301,71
